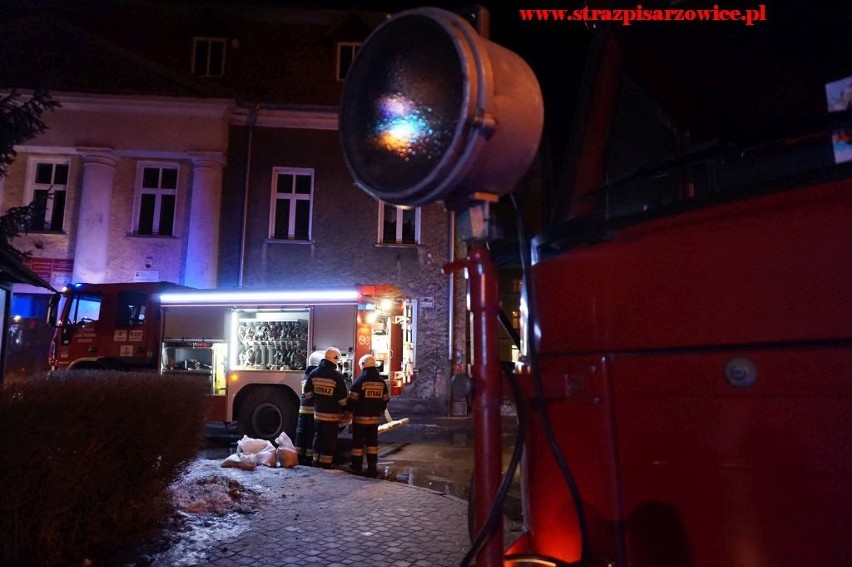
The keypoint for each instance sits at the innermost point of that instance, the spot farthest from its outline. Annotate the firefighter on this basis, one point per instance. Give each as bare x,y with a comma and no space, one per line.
368,399
325,385
305,426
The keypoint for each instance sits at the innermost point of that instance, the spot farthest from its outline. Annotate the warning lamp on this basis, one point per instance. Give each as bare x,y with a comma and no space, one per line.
432,111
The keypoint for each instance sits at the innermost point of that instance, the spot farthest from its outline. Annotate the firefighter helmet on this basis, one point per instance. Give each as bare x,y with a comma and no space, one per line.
315,358
332,354
367,360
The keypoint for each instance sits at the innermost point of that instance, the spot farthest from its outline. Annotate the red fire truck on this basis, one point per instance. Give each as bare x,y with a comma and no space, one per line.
685,397
252,345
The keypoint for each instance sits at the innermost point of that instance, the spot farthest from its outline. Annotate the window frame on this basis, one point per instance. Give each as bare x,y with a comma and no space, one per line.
400,211
30,191
293,197
340,46
207,71
139,191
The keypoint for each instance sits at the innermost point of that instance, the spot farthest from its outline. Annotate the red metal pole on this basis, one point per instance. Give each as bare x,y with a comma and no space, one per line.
483,292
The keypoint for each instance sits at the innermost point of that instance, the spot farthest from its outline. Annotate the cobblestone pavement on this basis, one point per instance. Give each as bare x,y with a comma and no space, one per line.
308,516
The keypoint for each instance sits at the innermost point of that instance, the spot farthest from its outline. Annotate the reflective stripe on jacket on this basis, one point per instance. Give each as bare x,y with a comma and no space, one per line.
328,390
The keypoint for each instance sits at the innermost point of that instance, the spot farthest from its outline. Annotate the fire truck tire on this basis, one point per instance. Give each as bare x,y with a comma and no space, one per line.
265,413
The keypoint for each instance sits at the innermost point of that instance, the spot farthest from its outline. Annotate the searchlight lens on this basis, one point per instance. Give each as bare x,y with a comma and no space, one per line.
404,102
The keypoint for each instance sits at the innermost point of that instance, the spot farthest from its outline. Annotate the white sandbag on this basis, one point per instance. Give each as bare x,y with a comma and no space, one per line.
287,456
240,461
252,452
250,446
267,458
283,441
287,459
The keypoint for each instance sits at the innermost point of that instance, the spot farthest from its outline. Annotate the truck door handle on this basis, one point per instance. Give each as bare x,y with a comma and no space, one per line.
93,349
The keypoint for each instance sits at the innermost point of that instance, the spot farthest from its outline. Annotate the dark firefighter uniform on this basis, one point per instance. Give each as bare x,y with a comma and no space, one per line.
368,399
328,390
304,441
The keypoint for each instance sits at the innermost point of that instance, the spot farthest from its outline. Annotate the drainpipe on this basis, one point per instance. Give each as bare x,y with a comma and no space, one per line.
250,122
451,297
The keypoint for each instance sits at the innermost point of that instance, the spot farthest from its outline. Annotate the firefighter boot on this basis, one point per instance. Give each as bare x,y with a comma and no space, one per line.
306,456
356,461
372,461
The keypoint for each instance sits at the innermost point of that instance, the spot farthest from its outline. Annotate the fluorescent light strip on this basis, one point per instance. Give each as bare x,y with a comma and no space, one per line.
258,297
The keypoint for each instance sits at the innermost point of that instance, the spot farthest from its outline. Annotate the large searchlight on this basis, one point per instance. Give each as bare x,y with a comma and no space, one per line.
432,111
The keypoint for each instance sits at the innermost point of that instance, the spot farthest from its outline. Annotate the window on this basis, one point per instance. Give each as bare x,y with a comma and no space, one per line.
84,308
48,190
131,308
156,188
665,155
398,225
208,57
292,201
346,52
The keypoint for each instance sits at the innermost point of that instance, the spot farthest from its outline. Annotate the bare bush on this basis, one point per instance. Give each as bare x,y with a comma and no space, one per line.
87,459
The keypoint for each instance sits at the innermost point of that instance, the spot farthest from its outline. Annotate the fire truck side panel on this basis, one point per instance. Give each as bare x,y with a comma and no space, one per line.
195,322
334,325
764,270
719,436
197,326
714,474
583,423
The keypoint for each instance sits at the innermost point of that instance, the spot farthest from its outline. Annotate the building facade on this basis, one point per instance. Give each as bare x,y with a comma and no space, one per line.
199,145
